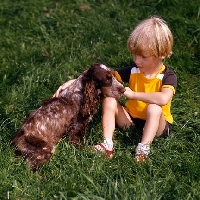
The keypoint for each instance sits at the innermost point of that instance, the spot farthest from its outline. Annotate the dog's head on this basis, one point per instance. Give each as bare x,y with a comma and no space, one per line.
105,80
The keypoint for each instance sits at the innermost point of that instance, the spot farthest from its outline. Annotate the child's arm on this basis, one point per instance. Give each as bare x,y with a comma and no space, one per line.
159,98
62,87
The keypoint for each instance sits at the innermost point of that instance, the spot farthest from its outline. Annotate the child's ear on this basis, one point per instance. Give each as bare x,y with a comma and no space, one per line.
162,57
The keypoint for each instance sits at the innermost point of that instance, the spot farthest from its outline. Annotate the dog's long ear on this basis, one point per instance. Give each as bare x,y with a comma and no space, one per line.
90,100
91,96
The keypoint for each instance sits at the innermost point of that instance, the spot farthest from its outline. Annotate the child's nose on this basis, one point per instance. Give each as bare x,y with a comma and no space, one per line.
136,58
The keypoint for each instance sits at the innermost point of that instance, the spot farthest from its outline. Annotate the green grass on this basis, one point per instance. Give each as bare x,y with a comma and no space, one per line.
45,43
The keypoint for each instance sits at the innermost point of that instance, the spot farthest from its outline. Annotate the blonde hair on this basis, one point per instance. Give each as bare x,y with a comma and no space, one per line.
152,37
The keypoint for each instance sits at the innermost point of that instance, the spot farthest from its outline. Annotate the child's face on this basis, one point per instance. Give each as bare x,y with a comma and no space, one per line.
146,63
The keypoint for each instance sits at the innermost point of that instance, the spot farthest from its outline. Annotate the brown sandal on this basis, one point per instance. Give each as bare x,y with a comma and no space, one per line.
100,147
140,157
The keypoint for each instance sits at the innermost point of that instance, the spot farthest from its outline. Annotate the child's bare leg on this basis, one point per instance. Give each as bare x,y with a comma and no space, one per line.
155,123
109,109
154,126
112,113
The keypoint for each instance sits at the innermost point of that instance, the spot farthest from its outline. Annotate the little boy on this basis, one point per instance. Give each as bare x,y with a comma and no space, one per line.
151,88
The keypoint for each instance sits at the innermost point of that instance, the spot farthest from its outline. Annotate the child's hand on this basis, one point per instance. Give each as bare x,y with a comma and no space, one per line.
60,89
63,87
129,93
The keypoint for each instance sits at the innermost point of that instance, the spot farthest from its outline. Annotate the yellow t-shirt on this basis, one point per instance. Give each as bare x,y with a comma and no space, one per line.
139,83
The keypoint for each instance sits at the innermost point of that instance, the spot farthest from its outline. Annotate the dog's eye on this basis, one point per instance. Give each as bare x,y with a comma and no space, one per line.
108,76
108,80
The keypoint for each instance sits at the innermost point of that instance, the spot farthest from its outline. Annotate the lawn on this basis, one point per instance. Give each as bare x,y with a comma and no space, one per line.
43,44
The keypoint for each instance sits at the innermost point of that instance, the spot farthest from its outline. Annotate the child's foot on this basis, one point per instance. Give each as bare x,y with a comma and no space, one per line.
142,152
101,148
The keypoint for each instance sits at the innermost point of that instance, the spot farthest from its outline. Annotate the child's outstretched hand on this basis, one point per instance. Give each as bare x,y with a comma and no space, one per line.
129,93
63,87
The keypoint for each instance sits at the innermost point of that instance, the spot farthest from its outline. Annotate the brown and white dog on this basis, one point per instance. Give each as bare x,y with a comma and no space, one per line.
68,115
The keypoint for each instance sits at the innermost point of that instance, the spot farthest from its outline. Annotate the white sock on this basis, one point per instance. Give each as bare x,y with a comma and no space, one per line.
143,148
108,143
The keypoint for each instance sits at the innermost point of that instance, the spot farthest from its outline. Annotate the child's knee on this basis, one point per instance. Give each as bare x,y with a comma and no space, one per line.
109,104
154,109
